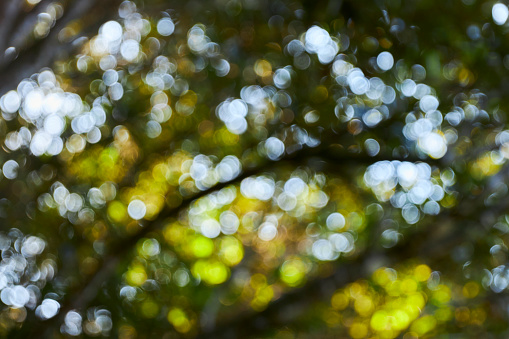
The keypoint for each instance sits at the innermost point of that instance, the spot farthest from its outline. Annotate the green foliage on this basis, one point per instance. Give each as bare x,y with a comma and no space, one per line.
250,168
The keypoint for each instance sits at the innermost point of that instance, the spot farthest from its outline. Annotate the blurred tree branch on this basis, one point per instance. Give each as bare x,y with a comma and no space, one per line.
318,159
34,55
429,246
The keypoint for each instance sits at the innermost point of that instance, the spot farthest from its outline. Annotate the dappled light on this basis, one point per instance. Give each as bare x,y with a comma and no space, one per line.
254,169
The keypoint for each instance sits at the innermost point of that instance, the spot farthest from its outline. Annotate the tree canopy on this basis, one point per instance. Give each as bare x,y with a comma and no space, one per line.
254,168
